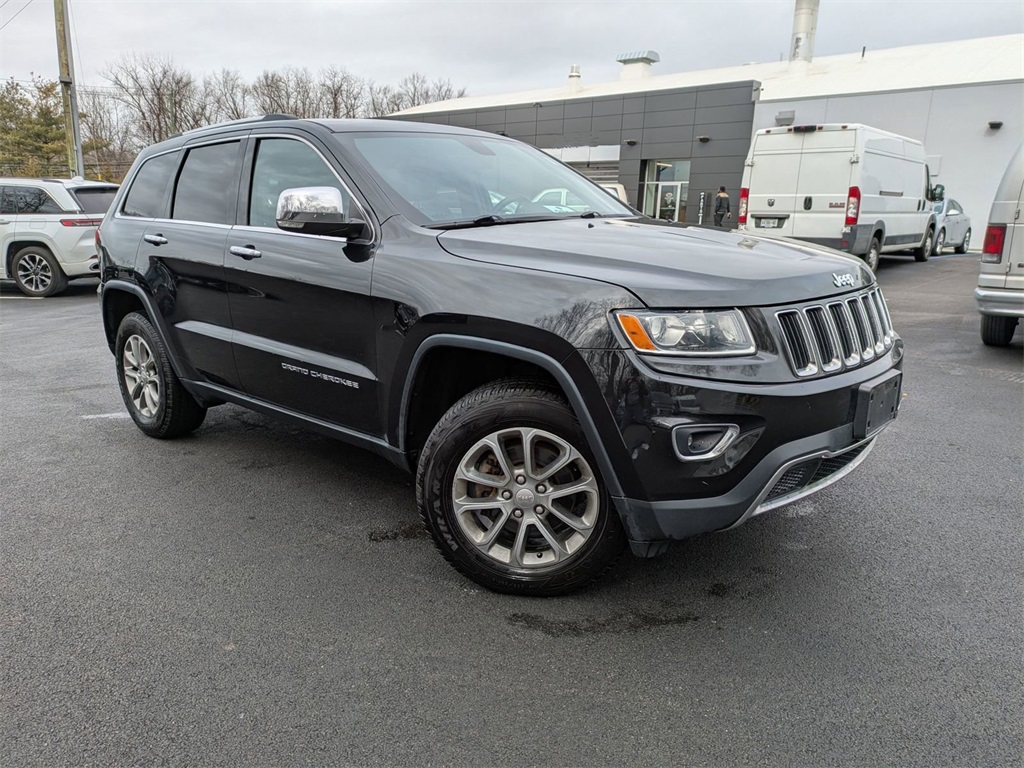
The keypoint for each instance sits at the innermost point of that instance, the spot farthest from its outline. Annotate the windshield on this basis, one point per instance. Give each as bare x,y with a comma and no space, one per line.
94,199
444,179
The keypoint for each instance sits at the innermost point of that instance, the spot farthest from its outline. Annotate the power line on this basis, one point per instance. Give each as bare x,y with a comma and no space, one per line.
26,5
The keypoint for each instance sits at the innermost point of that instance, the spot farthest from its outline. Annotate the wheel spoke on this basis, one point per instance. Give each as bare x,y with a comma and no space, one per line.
149,393
586,485
549,535
568,456
519,547
493,532
469,504
578,524
500,455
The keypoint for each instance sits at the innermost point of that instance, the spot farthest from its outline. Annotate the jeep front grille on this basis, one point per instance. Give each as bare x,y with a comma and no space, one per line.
836,335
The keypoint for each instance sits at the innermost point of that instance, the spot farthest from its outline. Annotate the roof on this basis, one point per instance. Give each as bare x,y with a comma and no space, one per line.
934,65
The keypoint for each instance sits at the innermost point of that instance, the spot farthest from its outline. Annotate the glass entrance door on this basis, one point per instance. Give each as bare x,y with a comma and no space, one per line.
665,190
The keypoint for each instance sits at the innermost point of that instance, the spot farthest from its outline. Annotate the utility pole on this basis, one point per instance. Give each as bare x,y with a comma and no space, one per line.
72,129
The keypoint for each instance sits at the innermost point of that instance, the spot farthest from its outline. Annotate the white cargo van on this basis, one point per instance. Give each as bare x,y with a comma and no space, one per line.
1000,291
851,187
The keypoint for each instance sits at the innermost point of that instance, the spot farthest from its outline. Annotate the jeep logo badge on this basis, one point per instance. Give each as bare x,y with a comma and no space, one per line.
844,279
771,202
524,497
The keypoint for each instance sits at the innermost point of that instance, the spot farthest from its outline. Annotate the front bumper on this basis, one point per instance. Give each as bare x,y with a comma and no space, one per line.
1002,303
794,439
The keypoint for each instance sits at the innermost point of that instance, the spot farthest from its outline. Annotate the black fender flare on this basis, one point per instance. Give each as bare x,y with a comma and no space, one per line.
548,363
123,286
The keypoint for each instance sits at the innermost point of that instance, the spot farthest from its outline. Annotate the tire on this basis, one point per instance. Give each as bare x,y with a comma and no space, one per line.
940,242
545,544
874,254
997,331
152,393
962,248
925,250
37,273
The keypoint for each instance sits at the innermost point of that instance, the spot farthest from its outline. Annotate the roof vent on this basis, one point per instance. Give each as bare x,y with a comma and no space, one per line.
574,78
637,64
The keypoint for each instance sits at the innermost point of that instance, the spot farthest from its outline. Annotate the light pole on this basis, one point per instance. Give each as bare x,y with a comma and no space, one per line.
72,129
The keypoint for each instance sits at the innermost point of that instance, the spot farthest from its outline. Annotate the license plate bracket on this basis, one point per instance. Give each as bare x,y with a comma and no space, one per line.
878,402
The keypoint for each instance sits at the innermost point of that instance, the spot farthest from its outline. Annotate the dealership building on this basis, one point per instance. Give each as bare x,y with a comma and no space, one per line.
672,139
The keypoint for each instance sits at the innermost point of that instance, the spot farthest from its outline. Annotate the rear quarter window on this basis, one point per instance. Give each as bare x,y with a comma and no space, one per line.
94,200
33,200
149,187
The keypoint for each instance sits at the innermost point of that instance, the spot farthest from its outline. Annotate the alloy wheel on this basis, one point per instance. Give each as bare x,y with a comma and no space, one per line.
525,498
141,376
34,272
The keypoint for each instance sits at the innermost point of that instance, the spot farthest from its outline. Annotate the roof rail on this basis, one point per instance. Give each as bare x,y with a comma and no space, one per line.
257,119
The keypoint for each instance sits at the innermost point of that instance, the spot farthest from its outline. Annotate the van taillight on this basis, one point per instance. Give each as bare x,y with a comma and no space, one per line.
741,216
852,206
995,238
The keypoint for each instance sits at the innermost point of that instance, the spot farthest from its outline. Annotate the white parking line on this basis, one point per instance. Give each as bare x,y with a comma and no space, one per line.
21,298
118,415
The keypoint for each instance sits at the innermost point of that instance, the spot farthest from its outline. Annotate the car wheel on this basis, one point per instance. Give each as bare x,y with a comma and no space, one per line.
940,241
997,331
962,248
511,495
37,273
922,253
155,398
873,255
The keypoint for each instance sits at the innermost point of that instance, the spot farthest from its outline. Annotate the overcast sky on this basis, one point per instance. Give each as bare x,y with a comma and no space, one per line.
489,46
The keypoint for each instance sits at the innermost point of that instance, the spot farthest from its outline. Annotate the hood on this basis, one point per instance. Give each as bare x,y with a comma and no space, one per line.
667,265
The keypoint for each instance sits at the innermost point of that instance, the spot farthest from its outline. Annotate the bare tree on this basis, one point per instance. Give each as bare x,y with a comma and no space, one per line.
230,94
341,94
162,98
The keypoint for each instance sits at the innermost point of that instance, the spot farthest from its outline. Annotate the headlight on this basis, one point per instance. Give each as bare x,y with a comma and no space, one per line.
698,332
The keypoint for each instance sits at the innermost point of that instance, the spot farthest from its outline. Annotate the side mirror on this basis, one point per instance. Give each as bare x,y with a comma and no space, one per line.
938,192
316,211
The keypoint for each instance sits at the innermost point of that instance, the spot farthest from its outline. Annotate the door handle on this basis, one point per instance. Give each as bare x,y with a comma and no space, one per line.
155,239
246,252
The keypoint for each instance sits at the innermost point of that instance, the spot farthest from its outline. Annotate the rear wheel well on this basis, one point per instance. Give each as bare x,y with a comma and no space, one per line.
446,374
116,306
16,246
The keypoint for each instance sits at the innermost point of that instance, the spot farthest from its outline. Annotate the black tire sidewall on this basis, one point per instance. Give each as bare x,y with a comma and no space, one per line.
875,246
437,475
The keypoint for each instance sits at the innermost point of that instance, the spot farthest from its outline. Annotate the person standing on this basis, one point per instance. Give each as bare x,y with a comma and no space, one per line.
722,208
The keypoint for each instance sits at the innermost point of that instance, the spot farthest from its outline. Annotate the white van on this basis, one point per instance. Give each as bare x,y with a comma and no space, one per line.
851,187
1000,291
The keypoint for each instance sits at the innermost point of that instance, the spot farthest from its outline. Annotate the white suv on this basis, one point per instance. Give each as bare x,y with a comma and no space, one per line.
48,230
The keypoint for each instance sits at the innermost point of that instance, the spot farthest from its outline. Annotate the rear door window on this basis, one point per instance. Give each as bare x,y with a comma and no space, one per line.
8,206
208,184
33,200
146,196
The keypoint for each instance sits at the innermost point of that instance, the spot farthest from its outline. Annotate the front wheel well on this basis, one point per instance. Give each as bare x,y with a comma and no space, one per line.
116,306
446,375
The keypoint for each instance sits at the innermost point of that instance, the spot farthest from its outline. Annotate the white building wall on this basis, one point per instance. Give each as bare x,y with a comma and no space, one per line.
965,155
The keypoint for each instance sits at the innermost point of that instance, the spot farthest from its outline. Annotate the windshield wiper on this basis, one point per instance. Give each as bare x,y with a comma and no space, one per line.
491,220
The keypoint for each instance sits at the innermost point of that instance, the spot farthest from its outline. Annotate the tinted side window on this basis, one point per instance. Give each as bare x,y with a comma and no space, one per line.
285,164
146,196
207,184
94,199
7,204
34,200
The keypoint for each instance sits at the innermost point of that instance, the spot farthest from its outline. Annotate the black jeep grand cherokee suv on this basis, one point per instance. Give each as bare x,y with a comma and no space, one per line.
563,379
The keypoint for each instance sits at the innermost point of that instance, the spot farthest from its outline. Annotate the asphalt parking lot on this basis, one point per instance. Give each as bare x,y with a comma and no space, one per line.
260,595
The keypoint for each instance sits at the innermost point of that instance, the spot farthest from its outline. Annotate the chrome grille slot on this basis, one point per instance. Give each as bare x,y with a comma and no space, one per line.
844,333
794,333
883,317
860,320
825,339
876,326
847,333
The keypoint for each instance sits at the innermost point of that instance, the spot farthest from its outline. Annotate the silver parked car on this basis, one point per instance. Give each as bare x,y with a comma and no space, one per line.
952,226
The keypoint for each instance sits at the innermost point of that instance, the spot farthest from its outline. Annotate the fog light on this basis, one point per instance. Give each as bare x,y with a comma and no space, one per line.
702,442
